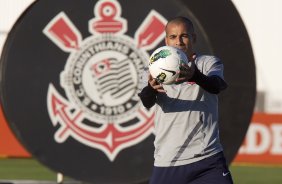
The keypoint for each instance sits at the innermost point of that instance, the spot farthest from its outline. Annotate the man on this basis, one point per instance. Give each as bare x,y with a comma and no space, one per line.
187,145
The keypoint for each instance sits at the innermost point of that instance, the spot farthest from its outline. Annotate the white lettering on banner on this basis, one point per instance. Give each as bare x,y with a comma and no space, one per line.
261,139
252,146
277,139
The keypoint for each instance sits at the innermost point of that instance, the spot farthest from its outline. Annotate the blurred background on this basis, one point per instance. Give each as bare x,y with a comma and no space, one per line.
259,159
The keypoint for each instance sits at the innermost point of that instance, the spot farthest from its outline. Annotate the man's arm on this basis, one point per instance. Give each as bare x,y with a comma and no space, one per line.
213,84
148,96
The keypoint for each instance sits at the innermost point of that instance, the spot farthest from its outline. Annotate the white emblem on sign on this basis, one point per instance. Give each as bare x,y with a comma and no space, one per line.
101,79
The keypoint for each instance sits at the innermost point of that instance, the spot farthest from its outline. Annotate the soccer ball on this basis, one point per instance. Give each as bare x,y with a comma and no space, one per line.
165,63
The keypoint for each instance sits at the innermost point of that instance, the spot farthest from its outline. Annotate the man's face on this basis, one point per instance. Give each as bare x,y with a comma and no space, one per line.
178,35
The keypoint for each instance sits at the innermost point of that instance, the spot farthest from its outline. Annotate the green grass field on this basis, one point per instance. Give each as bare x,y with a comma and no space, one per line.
30,169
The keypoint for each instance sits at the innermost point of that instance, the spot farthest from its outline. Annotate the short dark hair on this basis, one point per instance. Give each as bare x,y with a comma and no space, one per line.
181,19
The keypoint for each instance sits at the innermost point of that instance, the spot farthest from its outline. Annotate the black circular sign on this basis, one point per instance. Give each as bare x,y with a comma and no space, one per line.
70,74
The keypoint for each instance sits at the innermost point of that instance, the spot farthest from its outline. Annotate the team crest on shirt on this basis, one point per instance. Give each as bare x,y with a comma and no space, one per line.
99,106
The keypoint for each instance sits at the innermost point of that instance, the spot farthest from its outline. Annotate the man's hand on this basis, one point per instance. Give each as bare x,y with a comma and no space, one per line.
186,72
155,85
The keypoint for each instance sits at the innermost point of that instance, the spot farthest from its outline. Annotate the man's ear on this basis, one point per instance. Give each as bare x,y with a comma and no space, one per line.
165,41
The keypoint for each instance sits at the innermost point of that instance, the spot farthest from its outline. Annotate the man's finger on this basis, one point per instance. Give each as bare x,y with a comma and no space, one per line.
184,66
156,87
153,82
181,79
161,90
150,77
194,57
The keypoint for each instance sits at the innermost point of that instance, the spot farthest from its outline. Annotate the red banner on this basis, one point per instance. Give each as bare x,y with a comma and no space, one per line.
9,145
263,141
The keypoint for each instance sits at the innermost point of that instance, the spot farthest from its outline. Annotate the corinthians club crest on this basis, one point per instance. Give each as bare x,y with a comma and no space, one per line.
101,79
